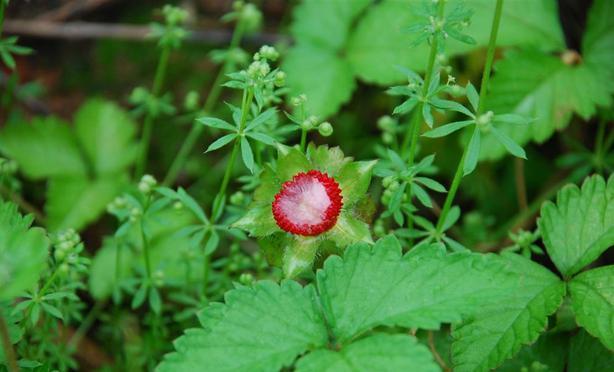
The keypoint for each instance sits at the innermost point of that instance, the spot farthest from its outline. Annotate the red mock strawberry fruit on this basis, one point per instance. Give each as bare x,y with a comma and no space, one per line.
309,204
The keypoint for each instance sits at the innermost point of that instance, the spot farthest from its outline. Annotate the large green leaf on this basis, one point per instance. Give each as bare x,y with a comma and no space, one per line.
500,328
374,286
320,73
44,148
543,87
23,252
592,298
379,42
263,328
587,354
74,202
379,352
580,226
106,134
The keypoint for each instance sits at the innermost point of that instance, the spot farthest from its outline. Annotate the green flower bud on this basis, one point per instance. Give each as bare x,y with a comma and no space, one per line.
237,198
299,100
174,15
268,52
246,279
484,121
147,183
379,229
177,205
387,124
138,95
190,102
250,16
325,129
394,185
387,181
158,278
280,79
387,138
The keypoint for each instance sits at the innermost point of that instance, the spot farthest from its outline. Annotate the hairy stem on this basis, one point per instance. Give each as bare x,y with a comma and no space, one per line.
9,352
212,99
161,69
490,55
303,139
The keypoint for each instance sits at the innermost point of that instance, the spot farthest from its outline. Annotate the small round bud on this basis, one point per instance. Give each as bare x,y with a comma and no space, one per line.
174,15
387,124
237,198
394,185
190,102
250,16
177,205
387,181
135,214
387,138
269,52
147,183
158,278
280,79
325,129
379,228
138,95
246,279
64,268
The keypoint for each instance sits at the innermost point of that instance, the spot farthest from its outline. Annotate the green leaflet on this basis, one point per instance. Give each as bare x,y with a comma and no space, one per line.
498,330
372,286
580,225
543,87
546,352
592,298
587,354
86,167
263,328
379,352
23,252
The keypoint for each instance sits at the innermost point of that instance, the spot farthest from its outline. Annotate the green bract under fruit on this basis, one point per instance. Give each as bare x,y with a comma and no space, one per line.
295,245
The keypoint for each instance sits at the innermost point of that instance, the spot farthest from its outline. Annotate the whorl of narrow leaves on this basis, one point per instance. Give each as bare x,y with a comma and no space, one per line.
579,227
265,327
23,252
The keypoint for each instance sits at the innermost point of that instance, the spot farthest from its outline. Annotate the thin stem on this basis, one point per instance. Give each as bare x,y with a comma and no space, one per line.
2,5
599,153
521,187
146,252
248,97
85,325
490,55
197,129
303,139
9,352
161,69
413,129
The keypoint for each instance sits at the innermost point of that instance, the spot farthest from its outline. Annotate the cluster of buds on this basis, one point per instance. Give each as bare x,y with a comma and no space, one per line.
313,122
391,184
146,102
124,210
247,14
389,127
484,121
171,33
147,184
67,249
299,100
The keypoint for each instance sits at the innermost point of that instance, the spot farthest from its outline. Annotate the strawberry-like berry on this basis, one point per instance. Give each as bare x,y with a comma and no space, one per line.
309,204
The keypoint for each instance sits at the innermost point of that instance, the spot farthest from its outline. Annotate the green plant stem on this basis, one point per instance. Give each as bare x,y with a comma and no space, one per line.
248,97
146,257
413,129
2,5
86,324
9,352
303,139
212,99
599,146
490,56
161,69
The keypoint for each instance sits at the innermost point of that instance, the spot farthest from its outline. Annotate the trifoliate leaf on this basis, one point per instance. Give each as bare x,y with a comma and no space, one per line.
580,226
106,134
376,286
543,88
499,329
23,252
379,352
44,148
379,42
592,298
587,354
263,328
74,202
326,79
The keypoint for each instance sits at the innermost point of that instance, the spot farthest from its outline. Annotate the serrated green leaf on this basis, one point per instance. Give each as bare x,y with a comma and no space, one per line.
587,354
326,79
377,286
74,202
23,252
349,230
106,134
580,226
354,179
46,147
373,55
546,353
498,330
263,328
592,298
327,159
379,352
258,221
291,163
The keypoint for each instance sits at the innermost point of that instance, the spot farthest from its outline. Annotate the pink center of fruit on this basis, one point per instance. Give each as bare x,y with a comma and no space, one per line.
308,205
